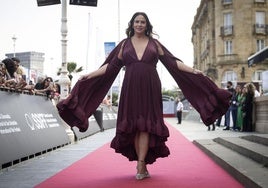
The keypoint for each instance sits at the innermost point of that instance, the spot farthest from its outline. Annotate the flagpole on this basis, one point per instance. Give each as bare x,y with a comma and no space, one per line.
120,72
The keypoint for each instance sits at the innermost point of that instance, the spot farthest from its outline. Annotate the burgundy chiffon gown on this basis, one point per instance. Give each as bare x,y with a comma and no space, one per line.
140,106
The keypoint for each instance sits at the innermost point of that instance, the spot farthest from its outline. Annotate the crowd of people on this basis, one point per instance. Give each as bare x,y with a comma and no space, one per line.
12,77
241,108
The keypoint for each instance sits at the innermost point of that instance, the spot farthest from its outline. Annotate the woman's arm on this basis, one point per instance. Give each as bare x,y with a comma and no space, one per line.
186,68
180,64
42,90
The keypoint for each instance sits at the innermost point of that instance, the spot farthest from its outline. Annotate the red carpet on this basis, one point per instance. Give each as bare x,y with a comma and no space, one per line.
187,166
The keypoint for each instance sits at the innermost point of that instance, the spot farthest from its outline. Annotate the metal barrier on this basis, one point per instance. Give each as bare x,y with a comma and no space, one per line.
29,126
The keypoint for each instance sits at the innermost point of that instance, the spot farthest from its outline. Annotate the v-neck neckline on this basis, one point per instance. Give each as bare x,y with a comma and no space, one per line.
136,51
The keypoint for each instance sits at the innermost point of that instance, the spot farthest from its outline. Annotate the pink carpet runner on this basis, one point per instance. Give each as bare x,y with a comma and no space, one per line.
186,167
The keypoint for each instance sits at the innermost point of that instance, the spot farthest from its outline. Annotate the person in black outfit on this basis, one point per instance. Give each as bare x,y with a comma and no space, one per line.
45,87
232,109
247,108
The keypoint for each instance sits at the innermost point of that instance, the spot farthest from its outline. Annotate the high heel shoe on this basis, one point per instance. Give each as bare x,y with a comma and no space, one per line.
141,176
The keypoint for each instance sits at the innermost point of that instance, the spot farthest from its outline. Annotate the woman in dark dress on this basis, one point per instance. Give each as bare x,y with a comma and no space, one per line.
140,131
248,108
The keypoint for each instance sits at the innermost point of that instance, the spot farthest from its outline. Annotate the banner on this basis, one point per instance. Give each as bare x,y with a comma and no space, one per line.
29,125
108,47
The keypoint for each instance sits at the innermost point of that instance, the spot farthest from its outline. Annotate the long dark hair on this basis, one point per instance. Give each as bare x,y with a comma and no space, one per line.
149,29
10,66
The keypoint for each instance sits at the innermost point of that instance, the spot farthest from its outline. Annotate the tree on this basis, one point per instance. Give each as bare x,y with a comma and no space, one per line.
175,92
71,68
114,99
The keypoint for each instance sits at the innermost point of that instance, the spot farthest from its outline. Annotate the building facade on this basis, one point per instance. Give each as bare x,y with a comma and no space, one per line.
32,62
225,33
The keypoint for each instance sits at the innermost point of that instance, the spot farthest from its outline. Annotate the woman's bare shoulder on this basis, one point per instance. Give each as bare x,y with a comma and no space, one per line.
159,47
120,54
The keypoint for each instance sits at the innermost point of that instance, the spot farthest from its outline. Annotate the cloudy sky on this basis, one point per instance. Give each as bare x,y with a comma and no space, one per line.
38,29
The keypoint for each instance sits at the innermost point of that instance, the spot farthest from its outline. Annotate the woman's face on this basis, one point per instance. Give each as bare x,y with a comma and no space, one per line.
139,25
238,89
47,82
244,90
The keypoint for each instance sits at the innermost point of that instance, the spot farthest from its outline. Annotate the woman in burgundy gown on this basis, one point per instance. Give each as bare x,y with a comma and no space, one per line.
140,131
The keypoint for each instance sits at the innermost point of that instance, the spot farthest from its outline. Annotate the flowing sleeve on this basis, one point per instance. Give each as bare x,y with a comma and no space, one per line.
87,94
204,95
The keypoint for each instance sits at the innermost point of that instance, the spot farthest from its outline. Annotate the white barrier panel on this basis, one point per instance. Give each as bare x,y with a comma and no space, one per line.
168,108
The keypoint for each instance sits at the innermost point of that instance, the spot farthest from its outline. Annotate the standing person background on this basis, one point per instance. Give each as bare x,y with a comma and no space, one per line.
232,110
2,74
256,92
235,106
179,111
45,87
20,74
20,69
248,108
13,79
107,101
140,131
240,101
9,71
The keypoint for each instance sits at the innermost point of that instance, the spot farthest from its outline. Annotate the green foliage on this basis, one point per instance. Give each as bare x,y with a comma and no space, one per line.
172,93
114,99
71,68
80,69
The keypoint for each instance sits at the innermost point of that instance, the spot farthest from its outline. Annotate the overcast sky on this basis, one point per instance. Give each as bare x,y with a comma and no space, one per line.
38,29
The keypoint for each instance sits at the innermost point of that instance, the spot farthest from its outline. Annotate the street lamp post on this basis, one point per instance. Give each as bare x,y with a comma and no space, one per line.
64,80
14,38
121,72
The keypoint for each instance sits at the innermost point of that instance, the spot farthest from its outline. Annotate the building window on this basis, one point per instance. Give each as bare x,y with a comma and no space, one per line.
257,76
260,26
226,2
227,28
228,47
259,1
260,45
260,18
229,76
227,19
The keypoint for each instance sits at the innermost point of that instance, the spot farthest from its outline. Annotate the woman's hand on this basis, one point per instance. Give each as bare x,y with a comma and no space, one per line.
196,71
186,68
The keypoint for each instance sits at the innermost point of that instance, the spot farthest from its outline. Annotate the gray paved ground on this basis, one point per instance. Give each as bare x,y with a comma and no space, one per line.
31,172
195,130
